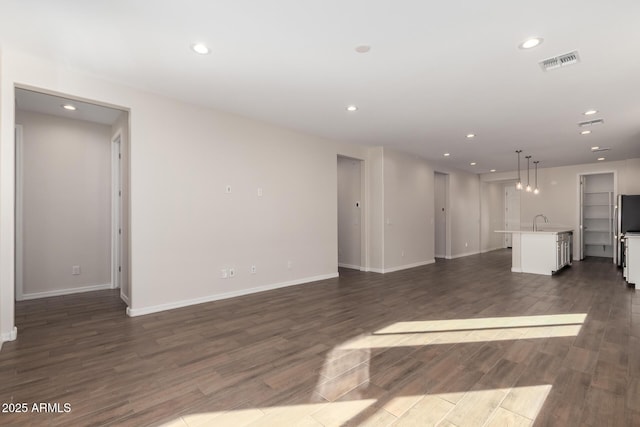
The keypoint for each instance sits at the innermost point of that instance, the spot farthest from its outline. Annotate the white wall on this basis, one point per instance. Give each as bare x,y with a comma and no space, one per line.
559,196
491,215
184,227
66,221
408,211
464,206
376,209
349,215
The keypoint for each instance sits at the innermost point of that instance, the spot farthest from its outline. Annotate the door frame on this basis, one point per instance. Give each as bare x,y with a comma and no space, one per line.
447,216
364,252
116,211
19,171
578,254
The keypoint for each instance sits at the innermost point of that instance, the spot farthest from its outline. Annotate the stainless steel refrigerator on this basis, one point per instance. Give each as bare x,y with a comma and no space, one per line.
627,214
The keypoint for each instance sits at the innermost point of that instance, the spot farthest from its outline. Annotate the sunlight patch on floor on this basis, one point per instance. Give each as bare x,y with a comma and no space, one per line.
482,323
433,332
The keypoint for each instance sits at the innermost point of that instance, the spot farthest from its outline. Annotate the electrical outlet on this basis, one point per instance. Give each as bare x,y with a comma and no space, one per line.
466,244
75,270
228,189
289,264
402,254
253,269
232,272
223,273
259,191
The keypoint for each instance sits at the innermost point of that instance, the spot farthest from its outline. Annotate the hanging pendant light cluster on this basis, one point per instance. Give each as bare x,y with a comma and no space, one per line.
528,188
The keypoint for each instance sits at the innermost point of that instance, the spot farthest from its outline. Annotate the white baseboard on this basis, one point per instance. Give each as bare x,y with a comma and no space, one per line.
133,312
463,254
516,270
9,336
402,267
407,266
124,298
351,266
495,248
69,291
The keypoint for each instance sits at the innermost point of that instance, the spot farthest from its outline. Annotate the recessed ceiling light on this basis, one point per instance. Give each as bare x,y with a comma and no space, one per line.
492,170
352,108
447,154
531,42
590,112
364,48
594,148
585,132
473,163
200,48
600,159
69,107
471,135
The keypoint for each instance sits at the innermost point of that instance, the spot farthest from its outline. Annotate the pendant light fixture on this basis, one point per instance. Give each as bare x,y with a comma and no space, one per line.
535,190
528,189
519,183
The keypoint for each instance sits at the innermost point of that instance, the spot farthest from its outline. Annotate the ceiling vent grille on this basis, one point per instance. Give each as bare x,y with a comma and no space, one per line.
591,123
596,150
560,61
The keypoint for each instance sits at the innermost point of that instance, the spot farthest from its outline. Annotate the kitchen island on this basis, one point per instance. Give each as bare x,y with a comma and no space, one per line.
540,252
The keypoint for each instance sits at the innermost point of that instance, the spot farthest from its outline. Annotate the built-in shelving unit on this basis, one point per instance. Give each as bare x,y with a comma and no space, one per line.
598,202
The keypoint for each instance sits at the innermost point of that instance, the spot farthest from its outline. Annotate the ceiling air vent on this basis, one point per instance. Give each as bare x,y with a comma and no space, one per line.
560,61
596,150
591,123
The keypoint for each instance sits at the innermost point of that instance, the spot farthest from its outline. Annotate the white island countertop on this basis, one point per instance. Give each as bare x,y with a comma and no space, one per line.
544,231
540,252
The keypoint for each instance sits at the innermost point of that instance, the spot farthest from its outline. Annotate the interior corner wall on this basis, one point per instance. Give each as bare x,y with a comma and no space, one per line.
185,227
66,209
492,215
376,209
492,211
121,128
408,211
464,205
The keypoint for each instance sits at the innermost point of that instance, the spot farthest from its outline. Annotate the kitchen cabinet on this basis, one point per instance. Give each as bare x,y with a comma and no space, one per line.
632,258
540,252
564,253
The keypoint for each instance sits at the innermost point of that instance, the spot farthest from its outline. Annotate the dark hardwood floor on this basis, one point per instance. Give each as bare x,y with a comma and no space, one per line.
462,342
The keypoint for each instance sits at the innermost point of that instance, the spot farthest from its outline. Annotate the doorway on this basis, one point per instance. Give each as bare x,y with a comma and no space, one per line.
69,226
350,213
597,201
441,207
511,212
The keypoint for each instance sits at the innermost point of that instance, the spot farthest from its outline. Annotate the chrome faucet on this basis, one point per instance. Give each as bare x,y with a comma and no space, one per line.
535,219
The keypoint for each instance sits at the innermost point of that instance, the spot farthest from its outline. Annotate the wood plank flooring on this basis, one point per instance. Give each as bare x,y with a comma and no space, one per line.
462,342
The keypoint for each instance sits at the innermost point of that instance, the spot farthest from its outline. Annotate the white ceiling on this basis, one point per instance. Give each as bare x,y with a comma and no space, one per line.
436,70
